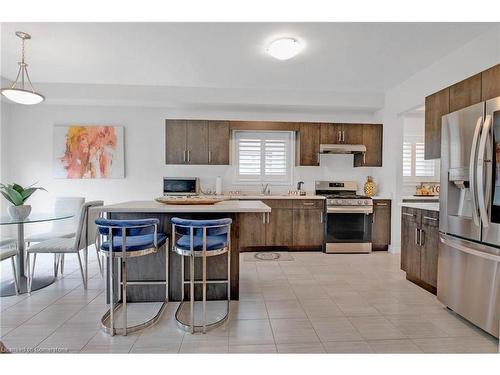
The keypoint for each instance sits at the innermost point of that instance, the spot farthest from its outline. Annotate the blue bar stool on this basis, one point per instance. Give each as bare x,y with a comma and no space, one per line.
201,239
129,239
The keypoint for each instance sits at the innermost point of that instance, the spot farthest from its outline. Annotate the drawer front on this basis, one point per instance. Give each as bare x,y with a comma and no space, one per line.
278,203
308,203
410,214
430,218
382,203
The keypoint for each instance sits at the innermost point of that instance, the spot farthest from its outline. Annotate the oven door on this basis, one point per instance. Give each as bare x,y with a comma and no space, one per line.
349,230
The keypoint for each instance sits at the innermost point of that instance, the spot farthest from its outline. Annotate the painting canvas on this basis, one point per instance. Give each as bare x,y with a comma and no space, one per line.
82,151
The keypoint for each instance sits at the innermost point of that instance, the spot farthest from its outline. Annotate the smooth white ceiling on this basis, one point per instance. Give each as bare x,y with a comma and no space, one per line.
356,57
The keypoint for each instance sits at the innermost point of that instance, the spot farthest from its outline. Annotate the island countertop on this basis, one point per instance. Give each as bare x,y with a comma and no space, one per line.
152,206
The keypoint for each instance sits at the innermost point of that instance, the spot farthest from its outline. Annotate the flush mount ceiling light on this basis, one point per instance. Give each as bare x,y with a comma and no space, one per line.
284,48
19,91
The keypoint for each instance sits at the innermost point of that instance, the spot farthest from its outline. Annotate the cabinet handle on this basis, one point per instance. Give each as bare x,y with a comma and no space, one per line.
209,157
417,236
321,217
189,156
264,217
364,158
381,204
184,159
339,136
430,218
308,204
268,217
343,135
407,214
422,237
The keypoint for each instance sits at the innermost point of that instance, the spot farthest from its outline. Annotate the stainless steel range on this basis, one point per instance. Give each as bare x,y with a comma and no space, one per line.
349,219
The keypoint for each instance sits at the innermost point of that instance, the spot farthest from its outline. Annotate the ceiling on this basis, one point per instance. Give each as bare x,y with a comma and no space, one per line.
340,57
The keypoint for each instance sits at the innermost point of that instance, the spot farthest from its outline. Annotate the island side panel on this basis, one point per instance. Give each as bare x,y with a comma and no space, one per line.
152,267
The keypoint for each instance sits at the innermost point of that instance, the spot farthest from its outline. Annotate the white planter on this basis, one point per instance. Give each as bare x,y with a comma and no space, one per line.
19,212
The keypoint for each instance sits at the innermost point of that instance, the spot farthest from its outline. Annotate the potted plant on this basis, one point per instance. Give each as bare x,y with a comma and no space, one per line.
17,196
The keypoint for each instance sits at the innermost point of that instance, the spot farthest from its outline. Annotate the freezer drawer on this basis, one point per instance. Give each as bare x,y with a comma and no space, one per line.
469,281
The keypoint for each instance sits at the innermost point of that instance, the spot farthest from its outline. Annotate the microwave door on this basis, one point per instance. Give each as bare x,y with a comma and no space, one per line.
460,136
491,168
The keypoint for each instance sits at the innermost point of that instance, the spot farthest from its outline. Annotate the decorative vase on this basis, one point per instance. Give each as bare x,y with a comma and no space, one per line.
370,187
19,212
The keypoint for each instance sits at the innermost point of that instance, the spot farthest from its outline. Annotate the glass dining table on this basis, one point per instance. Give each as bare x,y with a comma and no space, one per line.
7,288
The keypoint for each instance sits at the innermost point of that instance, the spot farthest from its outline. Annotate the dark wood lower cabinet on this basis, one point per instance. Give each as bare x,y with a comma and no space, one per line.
419,246
291,225
381,228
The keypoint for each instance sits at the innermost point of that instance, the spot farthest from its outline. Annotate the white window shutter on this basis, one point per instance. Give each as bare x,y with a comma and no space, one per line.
407,159
423,168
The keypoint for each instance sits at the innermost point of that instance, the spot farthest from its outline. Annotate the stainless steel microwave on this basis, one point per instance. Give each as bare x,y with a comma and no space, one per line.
181,185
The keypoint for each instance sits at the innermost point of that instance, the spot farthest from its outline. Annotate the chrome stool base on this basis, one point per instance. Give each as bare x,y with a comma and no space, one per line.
218,312
106,322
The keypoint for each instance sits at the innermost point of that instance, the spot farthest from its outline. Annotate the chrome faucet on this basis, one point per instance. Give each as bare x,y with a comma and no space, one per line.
265,189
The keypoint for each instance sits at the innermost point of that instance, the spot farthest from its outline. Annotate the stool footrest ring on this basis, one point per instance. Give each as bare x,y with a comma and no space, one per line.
184,321
105,323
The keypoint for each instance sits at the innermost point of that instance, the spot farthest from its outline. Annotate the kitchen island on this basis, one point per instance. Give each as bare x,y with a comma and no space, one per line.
152,267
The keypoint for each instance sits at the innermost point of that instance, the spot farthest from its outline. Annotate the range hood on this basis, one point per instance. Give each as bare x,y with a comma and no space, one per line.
341,149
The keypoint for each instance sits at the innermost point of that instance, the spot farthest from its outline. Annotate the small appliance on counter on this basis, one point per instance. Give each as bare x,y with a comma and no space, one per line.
349,217
181,186
427,189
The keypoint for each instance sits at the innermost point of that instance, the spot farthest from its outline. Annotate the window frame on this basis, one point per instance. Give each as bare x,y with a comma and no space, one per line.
290,142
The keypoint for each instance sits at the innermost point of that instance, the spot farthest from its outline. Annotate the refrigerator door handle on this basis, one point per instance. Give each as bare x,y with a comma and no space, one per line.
480,174
468,247
472,171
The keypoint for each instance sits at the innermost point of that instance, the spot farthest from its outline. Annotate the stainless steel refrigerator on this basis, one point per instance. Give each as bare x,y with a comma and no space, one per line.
469,214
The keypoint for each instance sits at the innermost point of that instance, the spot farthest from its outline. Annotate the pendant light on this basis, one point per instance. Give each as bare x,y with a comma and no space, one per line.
22,91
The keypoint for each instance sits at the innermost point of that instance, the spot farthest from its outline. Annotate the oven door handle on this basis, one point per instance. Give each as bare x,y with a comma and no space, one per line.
350,210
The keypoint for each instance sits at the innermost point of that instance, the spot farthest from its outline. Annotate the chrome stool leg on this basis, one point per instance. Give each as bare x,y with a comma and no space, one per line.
204,280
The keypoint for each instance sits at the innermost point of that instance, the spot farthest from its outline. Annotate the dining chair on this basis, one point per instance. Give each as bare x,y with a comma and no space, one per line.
86,234
8,249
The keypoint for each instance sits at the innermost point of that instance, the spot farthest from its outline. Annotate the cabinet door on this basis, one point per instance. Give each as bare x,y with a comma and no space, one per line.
430,245
218,142
308,144
352,134
308,227
410,251
331,133
373,140
252,229
197,141
465,93
279,229
436,105
490,83
381,229
175,141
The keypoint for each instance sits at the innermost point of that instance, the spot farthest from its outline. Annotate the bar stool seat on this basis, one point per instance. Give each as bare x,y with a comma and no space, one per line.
128,239
201,239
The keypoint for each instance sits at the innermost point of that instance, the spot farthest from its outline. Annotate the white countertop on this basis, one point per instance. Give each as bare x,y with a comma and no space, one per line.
282,196
153,206
432,206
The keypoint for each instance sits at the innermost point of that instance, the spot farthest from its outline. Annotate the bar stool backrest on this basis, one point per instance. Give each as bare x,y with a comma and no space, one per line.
87,220
214,227
134,227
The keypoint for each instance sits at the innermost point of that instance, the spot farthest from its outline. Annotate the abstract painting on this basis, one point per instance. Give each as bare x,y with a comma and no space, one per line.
82,151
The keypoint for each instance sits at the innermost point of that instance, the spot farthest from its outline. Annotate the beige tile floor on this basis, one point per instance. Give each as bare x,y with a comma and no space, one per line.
316,303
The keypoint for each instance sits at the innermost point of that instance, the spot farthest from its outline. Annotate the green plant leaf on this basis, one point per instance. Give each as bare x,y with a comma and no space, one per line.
16,198
18,188
7,197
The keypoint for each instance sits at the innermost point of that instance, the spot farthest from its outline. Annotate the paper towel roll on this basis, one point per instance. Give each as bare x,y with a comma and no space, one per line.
218,185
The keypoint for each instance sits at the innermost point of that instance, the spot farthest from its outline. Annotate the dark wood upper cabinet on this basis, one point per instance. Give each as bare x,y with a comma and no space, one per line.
218,142
373,140
197,141
490,83
381,228
308,144
436,106
175,142
465,93
330,133
352,134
